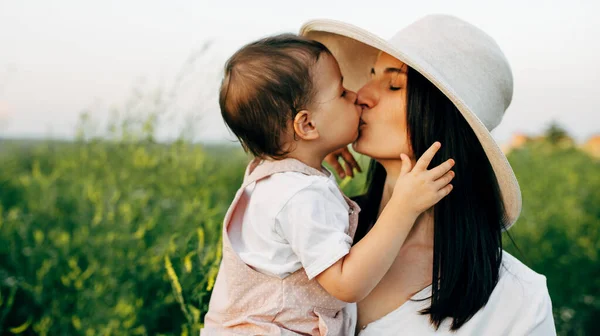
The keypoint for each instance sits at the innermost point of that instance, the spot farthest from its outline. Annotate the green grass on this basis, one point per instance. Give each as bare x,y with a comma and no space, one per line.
122,238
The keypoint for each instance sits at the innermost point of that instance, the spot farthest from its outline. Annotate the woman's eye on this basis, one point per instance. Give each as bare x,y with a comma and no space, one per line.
393,88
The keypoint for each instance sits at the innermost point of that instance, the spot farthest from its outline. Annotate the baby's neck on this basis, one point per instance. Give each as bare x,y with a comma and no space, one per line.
308,157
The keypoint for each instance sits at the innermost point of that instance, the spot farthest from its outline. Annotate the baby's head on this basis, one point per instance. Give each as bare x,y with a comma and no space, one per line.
284,93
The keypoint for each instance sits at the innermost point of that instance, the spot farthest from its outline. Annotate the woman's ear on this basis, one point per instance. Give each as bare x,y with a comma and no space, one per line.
305,127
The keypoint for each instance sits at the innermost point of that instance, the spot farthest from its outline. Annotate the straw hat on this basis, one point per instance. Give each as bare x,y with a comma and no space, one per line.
461,60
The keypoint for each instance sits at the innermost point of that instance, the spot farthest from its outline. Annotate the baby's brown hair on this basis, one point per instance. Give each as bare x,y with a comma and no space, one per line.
266,83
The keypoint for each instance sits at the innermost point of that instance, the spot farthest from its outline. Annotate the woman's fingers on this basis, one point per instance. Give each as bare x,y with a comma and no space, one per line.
444,180
347,161
332,160
439,171
350,160
426,158
348,168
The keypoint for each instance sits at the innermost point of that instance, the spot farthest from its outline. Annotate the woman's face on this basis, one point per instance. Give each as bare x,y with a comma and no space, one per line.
383,133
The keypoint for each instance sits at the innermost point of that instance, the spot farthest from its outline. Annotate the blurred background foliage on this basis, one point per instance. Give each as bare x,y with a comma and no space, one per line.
120,235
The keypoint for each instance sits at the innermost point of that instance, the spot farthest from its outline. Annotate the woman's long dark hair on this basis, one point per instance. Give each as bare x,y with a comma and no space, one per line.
468,223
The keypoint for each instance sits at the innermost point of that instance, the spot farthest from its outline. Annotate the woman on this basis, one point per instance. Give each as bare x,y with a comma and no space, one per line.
440,79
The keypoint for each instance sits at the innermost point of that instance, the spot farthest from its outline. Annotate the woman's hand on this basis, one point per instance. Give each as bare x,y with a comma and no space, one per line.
350,163
417,188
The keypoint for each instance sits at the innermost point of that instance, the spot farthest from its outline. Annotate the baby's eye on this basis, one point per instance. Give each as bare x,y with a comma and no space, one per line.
393,88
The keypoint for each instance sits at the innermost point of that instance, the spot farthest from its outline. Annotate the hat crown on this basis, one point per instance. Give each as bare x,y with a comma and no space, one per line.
462,61
464,57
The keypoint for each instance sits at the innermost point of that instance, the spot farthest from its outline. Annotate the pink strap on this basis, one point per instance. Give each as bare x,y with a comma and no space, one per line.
259,169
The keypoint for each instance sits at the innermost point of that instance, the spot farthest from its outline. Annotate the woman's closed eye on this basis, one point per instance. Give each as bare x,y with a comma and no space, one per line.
394,80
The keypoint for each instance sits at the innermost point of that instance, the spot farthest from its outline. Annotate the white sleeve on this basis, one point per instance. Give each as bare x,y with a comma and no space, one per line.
315,223
542,321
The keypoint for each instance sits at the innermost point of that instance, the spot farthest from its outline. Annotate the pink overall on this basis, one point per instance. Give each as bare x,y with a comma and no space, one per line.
247,302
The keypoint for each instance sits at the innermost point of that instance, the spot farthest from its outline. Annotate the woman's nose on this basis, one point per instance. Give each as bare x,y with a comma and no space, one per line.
365,97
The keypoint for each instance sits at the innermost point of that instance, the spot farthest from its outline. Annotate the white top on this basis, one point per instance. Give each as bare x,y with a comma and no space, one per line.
519,305
293,221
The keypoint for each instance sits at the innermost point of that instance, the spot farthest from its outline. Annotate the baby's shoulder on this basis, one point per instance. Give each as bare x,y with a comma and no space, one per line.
279,189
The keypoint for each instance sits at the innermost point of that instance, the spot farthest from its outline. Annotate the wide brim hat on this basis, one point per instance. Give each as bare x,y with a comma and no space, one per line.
461,60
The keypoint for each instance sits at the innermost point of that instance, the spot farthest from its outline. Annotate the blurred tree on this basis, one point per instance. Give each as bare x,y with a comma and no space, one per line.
556,133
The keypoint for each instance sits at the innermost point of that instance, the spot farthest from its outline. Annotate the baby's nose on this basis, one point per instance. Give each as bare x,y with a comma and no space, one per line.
352,95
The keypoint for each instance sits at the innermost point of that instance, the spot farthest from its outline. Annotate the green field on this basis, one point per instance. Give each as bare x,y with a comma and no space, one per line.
105,237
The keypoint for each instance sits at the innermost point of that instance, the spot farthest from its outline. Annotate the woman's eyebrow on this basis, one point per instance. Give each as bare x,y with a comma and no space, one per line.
392,70
387,70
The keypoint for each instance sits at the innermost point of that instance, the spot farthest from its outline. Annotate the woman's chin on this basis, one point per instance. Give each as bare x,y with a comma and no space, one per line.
356,146
362,147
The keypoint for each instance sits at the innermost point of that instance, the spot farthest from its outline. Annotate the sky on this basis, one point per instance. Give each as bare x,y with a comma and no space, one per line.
61,58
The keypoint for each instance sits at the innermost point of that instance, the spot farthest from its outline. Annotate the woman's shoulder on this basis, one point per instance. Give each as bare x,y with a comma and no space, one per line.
521,295
519,305
516,275
519,284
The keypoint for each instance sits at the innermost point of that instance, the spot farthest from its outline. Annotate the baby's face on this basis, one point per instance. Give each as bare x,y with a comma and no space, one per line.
336,114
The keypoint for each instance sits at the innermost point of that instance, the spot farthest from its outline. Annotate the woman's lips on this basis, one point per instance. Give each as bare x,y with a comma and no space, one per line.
361,123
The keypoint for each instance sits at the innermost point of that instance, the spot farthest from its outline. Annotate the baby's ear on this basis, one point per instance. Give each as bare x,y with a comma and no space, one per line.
305,126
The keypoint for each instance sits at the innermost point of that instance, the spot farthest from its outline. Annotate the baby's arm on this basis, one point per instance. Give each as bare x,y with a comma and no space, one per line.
355,275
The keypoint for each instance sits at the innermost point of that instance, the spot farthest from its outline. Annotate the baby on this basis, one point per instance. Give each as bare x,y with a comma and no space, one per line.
289,265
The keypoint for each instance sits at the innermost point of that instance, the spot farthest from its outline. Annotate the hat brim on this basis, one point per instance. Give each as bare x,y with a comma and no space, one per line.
356,51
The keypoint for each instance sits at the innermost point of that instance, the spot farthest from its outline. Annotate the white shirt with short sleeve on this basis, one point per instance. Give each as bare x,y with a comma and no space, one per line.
293,221
519,305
